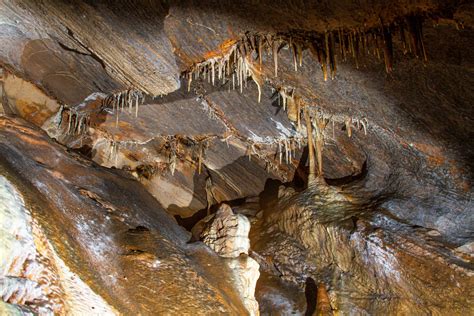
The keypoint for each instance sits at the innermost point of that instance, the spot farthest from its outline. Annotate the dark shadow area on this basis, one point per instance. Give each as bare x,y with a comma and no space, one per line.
249,175
310,293
189,222
300,179
350,178
269,195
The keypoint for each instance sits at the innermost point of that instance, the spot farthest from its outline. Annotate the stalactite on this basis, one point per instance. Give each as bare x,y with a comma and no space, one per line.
403,39
365,123
114,148
241,60
320,124
59,117
309,135
332,55
341,43
355,49
388,48
173,156
364,42
200,156
275,45
209,194
119,101
298,116
299,50
416,33
348,123
280,152
256,76
249,151
333,130
327,54
292,108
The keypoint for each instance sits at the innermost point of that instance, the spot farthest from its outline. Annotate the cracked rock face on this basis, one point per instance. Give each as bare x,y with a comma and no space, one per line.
227,233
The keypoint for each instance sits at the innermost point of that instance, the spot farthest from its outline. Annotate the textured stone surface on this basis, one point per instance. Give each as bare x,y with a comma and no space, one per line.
110,232
370,262
246,274
226,233
398,208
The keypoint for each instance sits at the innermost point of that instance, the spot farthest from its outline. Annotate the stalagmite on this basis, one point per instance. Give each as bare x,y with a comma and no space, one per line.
323,304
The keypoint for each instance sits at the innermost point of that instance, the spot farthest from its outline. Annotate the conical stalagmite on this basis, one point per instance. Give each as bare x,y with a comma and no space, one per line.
323,305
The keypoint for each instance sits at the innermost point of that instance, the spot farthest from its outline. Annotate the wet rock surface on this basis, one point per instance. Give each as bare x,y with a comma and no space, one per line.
226,234
108,236
371,262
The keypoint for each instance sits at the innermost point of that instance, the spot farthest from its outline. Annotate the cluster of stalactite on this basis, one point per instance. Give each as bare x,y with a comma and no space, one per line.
73,121
129,99
245,57
234,66
316,124
313,133
379,42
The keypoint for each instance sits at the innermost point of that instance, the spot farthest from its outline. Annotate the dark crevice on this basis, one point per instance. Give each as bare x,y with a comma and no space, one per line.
91,53
69,49
310,293
189,222
350,178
